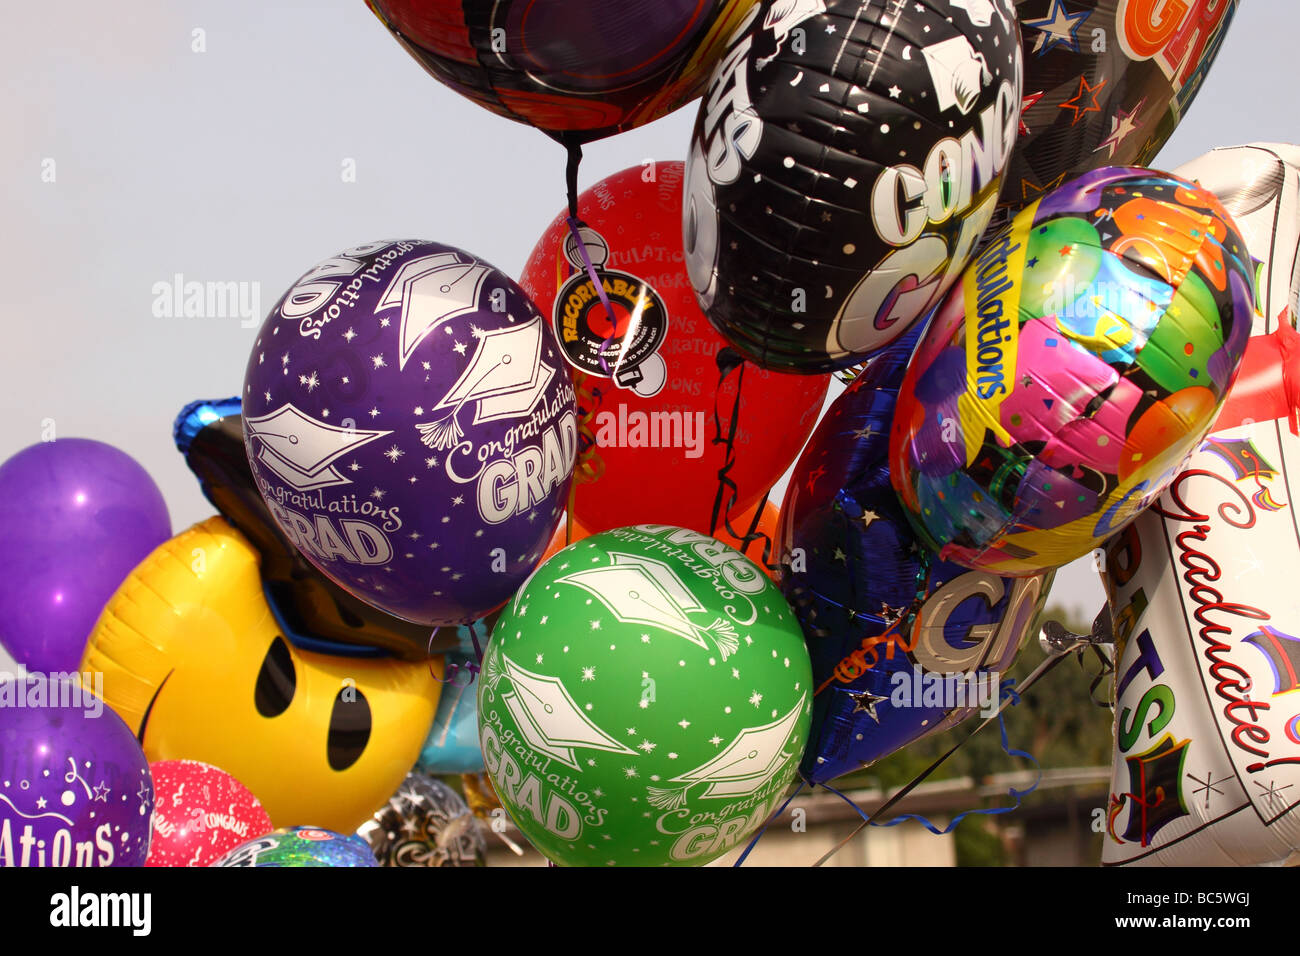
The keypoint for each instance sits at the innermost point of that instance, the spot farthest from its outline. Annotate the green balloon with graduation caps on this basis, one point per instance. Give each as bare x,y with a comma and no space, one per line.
645,700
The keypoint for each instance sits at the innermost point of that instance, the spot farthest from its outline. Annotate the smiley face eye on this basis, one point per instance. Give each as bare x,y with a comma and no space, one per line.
276,681
349,728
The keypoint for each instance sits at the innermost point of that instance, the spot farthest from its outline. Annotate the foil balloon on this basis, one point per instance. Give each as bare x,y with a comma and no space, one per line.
1202,591
578,70
75,789
903,645
77,515
210,434
410,425
452,745
1063,383
200,813
196,662
1106,83
644,700
846,158
300,846
426,823
655,386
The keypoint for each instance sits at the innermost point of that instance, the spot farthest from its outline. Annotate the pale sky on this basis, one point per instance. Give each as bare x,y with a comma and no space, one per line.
226,165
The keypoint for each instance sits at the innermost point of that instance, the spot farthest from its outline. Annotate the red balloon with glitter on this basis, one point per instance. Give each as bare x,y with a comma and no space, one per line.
653,385
200,813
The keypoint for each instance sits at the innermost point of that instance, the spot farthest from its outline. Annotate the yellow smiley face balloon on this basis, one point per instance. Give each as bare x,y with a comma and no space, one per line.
196,664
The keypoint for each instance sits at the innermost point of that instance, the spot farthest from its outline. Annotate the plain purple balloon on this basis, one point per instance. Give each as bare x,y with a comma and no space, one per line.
76,515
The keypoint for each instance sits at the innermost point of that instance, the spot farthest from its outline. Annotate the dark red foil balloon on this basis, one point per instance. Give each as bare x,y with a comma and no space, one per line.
576,69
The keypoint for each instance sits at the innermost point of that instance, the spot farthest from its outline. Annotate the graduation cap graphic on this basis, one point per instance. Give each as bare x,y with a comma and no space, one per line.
784,15
744,766
1241,455
1283,654
1155,790
506,377
644,591
957,72
549,719
432,290
302,450
980,11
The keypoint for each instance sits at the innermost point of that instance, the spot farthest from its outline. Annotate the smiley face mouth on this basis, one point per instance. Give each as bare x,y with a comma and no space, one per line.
148,711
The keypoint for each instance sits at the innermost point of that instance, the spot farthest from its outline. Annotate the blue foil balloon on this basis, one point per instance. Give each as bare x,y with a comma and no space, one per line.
452,745
903,645
300,846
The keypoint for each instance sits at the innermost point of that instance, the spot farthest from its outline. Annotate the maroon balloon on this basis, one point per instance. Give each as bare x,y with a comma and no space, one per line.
77,515
410,425
1106,82
576,69
75,788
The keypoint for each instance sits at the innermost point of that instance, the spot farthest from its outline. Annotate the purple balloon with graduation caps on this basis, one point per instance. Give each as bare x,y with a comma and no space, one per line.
410,424
903,645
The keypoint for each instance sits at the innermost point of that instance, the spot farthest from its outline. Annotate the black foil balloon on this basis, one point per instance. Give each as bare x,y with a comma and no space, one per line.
315,612
846,158
1106,83
426,823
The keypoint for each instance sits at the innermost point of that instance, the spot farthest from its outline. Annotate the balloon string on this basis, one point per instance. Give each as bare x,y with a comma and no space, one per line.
574,224
571,165
453,668
589,467
1009,697
1009,694
728,360
768,822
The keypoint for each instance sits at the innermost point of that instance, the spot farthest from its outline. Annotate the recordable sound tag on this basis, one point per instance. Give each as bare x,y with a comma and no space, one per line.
634,332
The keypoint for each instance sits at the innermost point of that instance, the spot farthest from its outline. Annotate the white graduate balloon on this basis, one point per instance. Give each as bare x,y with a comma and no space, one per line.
1206,602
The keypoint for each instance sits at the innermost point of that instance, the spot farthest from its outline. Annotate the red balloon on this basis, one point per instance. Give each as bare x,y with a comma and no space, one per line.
767,525
200,813
654,426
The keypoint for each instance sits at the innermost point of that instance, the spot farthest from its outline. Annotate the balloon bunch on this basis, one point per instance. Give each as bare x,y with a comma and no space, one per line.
1060,353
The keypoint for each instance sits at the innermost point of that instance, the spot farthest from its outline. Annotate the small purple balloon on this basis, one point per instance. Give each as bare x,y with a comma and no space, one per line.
411,426
77,515
75,788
